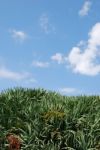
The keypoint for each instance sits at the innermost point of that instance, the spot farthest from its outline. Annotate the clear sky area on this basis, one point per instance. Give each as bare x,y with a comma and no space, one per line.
50,44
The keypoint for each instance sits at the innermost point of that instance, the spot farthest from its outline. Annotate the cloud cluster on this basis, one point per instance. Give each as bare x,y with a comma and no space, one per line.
85,57
84,60
85,8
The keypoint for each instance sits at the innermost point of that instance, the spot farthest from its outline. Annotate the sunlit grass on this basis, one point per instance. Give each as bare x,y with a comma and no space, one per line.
48,121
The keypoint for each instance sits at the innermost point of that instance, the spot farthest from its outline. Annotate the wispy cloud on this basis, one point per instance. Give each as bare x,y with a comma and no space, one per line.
85,8
84,60
16,76
40,64
45,24
58,57
81,43
31,81
18,35
67,90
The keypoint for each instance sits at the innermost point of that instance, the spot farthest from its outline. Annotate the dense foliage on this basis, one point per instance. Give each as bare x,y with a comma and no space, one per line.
48,121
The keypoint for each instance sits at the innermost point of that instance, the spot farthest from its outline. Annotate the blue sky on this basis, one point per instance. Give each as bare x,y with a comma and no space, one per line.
50,44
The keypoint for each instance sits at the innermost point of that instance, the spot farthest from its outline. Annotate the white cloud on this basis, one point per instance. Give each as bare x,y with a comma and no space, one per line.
67,90
18,35
58,57
40,64
82,59
8,74
85,8
45,24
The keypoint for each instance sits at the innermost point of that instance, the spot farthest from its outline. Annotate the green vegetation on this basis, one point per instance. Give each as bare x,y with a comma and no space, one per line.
48,121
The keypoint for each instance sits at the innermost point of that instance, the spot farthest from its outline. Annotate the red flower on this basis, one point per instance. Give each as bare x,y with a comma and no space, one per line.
14,142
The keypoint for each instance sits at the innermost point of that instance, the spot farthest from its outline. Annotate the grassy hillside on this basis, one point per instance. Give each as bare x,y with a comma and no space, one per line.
48,121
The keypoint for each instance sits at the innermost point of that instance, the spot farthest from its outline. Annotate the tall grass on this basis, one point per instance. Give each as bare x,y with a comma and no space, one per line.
48,121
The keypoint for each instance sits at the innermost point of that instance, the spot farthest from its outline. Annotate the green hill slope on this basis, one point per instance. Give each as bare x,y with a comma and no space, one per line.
48,121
